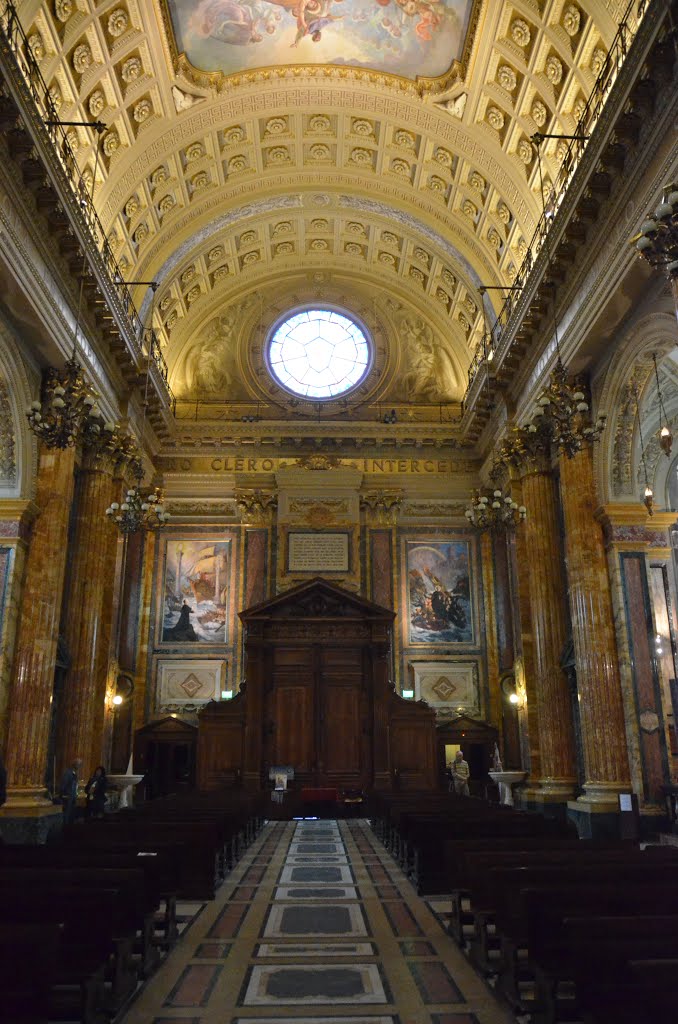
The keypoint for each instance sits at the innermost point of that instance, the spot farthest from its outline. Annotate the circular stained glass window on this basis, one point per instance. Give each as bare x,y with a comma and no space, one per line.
319,353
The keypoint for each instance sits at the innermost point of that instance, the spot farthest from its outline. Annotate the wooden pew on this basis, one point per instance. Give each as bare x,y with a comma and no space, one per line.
28,965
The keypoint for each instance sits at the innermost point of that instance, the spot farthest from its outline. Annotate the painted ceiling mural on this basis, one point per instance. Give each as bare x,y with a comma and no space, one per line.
411,38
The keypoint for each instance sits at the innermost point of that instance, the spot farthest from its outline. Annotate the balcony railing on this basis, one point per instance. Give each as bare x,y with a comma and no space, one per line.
14,42
577,146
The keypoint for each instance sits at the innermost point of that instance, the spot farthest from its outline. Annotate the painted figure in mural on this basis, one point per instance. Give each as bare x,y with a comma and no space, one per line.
312,17
182,631
227,21
431,374
439,592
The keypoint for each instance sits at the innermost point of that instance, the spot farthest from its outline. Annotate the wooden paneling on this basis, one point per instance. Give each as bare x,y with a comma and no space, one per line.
293,725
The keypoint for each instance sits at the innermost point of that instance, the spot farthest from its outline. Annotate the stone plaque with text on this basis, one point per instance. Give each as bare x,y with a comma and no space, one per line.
319,552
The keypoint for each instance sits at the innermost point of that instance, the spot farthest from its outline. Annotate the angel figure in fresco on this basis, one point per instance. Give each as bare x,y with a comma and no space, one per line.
228,21
312,17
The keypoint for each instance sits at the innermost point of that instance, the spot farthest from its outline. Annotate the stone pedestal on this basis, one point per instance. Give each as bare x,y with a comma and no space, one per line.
81,712
34,663
598,683
545,572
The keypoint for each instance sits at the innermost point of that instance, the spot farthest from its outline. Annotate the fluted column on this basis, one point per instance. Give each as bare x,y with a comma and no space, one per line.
81,705
547,589
598,683
33,678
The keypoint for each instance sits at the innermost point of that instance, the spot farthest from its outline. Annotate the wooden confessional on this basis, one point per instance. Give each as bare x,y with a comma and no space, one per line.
317,698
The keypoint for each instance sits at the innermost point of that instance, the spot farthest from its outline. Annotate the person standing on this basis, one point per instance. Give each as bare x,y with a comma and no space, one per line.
96,793
460,774
68,791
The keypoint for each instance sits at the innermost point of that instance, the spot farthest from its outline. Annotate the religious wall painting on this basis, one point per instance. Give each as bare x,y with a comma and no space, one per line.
439,592
409,38
196,591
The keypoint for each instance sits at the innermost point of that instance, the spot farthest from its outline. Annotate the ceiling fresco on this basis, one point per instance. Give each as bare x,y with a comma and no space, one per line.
410,38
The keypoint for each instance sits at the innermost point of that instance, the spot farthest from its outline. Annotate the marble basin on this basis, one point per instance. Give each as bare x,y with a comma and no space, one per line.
125,785
506,781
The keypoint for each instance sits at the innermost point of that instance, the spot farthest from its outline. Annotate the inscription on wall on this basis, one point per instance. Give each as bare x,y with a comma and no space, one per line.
318,552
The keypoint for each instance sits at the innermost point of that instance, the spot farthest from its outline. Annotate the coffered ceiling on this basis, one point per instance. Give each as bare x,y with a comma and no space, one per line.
232,179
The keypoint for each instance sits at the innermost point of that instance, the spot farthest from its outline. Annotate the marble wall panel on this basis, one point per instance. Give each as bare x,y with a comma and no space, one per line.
256,567
647,694
381,565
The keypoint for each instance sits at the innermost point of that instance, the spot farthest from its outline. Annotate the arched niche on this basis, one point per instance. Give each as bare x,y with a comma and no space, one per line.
629,381
18,446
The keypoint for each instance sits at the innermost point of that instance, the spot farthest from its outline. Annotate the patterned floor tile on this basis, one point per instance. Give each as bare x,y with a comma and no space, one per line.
310,985
194,986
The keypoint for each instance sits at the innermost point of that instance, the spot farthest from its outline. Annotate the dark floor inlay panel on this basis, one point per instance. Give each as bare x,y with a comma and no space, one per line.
308,985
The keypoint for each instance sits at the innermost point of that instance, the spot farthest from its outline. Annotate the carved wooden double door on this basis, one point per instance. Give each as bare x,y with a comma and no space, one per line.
317,714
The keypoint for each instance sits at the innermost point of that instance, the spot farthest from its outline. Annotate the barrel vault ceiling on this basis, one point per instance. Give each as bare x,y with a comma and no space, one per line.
241,188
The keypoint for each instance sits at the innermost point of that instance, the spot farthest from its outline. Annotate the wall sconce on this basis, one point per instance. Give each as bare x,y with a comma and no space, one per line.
124,688
117,700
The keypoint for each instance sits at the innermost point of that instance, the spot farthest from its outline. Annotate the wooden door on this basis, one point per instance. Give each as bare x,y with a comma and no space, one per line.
342,716
290,712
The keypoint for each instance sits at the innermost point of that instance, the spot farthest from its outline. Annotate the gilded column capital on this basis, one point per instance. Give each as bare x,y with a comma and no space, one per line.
382,507
255,506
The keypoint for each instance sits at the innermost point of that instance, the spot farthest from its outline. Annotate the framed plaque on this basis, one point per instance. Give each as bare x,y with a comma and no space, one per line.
318,551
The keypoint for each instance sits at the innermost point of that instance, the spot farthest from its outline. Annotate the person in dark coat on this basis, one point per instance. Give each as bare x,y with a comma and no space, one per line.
182,630
96,793
68,791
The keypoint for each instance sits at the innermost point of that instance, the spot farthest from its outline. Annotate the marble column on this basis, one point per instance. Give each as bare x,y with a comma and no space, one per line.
82,702
34,663
104,676
547,588
598,681
525,671
490,626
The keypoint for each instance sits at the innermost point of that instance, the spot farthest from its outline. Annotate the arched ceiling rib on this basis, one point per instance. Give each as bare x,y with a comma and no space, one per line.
433,187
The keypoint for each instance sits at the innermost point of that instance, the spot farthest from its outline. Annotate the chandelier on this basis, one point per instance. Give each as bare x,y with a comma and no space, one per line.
658,241
648,493
562,414
139,510
497,511
68,411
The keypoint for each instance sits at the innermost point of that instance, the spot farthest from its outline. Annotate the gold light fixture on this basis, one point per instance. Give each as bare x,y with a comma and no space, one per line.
665,435
140,509
68,409
496,511
658,240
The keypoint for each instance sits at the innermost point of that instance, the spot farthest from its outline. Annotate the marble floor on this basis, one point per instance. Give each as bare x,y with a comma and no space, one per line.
316,924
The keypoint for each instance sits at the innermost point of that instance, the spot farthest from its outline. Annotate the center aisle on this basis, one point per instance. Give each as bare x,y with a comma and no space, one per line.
316,924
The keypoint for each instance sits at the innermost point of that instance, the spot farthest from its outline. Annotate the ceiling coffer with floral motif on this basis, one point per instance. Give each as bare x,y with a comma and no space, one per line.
400,37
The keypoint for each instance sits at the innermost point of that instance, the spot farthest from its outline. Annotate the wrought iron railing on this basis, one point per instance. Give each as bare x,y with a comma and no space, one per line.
15,41
592,110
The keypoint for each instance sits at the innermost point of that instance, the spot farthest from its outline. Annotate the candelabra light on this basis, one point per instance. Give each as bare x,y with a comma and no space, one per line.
497,511
658,241
562,413
68,411
139,510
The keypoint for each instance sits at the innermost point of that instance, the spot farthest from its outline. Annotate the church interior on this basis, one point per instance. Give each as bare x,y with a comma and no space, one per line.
339,435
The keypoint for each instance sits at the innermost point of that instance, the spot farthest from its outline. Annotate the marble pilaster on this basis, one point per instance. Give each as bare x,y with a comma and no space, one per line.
34,663
491,645
105,666
16,516
82,701
598,680
525,671
547,589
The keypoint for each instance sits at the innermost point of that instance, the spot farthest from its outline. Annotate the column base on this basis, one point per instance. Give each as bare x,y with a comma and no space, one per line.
29,824
595,819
